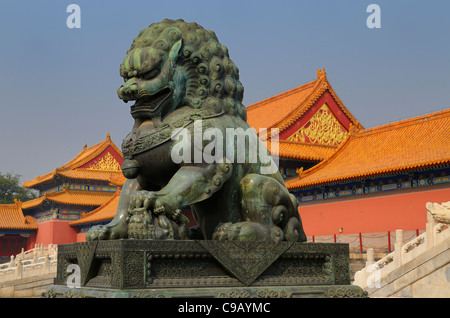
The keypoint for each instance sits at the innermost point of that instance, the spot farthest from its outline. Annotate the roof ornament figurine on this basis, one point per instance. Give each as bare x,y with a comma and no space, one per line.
299,171
18,203
321,73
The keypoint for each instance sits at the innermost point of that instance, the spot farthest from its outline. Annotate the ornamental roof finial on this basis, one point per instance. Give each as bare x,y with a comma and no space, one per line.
299,171
321,73
18,203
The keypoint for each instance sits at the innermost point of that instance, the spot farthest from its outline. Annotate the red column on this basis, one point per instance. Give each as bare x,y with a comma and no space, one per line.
389,241
360,242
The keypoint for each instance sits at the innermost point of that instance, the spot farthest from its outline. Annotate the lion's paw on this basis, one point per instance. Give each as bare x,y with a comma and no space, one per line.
142,199
102,232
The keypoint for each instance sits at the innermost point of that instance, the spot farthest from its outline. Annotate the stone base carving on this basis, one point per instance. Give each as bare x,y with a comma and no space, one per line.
314,291
146,268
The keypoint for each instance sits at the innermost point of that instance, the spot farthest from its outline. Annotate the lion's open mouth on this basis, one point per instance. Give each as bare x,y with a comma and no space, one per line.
149,105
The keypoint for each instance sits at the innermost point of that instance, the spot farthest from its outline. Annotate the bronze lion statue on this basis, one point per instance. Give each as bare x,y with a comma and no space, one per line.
191,146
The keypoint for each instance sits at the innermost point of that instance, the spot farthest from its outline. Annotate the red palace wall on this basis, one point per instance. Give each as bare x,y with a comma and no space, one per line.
378,212
55,232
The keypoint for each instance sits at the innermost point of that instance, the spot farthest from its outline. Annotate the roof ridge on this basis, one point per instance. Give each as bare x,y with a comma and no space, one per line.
312,97
282,94
317,89
342,106
404,123
94,150
90,151
8,205
40,177
69,164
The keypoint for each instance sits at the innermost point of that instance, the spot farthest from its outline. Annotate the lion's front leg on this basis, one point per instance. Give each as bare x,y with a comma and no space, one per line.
189,185
117,228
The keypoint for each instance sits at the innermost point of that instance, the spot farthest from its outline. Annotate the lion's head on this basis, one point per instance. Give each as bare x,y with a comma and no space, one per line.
174,63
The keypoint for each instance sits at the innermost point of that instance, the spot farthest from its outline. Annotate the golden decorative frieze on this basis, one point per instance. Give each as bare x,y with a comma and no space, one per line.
106,163
323,128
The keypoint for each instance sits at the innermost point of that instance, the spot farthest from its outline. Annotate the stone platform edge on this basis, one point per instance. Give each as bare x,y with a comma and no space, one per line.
134,268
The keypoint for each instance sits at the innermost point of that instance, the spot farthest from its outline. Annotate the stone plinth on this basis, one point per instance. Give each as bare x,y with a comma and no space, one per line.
146,268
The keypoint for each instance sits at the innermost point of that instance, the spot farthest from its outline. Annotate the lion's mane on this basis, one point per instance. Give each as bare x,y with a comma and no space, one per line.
212,79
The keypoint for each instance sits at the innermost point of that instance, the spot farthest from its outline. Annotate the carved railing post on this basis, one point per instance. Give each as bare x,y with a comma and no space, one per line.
19,270
46,266
429,236
12,263
398,248
370,257
41,250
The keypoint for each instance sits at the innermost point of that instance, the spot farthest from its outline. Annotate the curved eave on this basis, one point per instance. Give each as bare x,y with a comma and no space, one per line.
362,176
39,180
12,218
106,211
302,151
70,197
85,156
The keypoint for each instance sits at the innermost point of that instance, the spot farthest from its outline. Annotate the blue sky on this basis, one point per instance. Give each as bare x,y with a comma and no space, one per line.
58,85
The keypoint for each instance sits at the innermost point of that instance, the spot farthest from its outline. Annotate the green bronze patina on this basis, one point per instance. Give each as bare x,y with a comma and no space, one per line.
179,75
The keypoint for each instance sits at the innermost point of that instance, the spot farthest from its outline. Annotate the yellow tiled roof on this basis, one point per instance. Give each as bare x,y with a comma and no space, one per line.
11,217
73,169
75,197
92,174
413,143
105,212
282,110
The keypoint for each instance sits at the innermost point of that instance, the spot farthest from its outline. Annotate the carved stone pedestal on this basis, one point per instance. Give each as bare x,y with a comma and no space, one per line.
145,268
